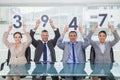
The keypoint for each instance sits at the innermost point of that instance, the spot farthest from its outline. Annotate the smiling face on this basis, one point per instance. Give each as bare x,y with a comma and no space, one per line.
45,35
102,36
17,37
73,36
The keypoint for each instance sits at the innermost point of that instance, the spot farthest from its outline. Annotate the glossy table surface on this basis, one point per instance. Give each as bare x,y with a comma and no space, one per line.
62,69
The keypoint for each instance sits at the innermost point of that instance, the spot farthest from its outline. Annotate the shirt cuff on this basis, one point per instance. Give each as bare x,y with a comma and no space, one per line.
61,37
84,36
55,29
33,30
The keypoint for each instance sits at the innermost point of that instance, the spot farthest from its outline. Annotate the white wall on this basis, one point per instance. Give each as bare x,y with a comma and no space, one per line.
54,2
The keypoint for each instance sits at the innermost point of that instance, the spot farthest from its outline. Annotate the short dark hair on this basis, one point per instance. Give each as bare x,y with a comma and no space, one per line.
44,31
17,33
73,32
103,32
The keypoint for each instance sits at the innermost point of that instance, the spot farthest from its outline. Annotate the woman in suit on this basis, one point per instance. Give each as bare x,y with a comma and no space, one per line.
102,48
17,49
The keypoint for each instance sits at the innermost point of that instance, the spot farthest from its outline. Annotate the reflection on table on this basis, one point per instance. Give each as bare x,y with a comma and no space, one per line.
63,69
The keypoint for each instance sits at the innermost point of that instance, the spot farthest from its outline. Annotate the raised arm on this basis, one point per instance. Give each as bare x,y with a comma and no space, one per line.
85,38
29,39
91,33
32,32
116,36
56,32
5,37
60,42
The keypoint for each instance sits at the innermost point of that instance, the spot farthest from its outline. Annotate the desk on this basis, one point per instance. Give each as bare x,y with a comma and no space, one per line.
63,69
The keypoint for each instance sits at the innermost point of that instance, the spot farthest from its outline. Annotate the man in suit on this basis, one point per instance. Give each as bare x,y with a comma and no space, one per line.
44,51
73,51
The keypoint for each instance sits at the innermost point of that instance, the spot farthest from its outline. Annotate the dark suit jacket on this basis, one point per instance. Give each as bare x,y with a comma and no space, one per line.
38,44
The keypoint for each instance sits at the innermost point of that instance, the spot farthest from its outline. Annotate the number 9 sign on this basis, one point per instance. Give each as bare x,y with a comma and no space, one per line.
17,21
45,19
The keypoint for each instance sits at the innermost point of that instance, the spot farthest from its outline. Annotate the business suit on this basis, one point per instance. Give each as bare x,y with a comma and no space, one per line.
79,51
103,57
17,55
38,44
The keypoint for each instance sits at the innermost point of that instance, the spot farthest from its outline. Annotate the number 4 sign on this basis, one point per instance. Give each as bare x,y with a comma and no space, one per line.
73,23
103,20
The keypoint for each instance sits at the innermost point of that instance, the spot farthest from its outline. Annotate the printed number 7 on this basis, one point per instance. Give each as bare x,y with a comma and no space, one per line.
104,17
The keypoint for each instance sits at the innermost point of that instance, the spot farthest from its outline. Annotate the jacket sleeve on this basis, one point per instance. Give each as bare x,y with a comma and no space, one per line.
86,41
89,37
5,39
29,39
60,43
34,41
116,38
57,35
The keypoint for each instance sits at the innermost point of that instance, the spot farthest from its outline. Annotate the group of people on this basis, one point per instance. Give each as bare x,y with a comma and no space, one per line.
73,50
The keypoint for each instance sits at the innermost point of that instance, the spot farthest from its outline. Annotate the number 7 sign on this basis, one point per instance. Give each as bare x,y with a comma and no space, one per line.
103,20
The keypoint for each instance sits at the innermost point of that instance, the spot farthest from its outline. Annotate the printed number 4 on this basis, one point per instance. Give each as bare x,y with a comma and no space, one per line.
73,23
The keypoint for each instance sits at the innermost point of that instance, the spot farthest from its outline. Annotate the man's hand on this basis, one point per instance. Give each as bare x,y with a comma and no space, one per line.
65,30
51,23
81,30
37,24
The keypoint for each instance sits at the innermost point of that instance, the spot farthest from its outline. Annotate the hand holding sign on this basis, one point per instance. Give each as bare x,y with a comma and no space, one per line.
111,28
51,23
9,28
37,24
66,29
81,30
95,27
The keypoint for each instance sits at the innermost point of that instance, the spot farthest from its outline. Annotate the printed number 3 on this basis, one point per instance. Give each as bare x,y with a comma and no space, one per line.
18,22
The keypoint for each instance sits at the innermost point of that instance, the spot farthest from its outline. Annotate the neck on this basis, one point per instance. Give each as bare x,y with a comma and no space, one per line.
102,42
17,45
72,41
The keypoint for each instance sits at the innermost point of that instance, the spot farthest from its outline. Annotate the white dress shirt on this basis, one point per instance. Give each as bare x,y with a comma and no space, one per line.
102,48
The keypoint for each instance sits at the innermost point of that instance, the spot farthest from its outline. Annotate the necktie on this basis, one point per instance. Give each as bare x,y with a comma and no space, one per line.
73,52
45,53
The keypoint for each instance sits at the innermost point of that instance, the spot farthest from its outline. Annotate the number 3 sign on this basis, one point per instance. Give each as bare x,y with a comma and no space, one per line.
17,21
103,20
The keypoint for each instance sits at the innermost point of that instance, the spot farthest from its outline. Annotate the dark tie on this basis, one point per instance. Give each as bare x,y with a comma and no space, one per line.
73,52
45,53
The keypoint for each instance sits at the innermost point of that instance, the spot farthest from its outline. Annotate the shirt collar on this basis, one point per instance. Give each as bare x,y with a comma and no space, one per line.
44,42
73,42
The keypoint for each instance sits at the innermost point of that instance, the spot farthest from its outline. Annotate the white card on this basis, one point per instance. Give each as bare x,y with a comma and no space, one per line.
17,20
103,20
